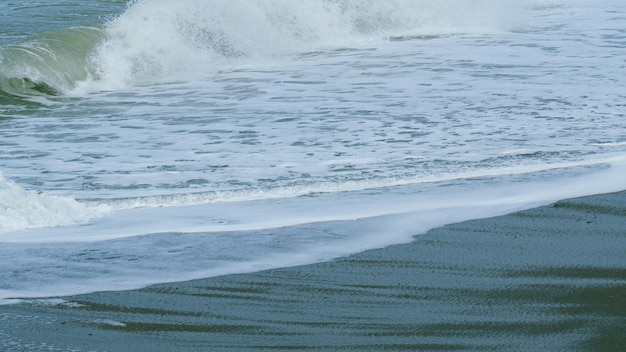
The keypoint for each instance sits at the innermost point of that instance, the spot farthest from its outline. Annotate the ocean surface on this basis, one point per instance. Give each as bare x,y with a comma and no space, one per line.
158,141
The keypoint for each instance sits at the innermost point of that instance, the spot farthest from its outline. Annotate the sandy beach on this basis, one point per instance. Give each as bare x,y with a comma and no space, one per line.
546,279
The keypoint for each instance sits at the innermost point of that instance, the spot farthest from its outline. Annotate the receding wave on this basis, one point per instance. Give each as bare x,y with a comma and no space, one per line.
156,41
319,188
25,209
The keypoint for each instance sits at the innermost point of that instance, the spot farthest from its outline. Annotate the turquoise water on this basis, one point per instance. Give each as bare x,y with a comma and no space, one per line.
161,141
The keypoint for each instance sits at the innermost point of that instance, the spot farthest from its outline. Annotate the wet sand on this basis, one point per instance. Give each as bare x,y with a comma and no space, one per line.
546,279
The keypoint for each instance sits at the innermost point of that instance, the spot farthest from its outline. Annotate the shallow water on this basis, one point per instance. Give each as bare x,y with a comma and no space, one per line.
548,278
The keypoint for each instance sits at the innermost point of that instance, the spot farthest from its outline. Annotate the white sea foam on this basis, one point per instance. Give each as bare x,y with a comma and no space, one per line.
263,210
28,210
162,41
21,209
312,189
133,262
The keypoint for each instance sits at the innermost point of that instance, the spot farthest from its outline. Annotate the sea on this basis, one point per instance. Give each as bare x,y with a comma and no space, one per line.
155,141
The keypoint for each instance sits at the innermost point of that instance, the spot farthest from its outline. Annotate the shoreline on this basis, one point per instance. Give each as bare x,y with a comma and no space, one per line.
548,278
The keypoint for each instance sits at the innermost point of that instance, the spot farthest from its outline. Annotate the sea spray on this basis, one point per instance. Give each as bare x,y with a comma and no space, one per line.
158,41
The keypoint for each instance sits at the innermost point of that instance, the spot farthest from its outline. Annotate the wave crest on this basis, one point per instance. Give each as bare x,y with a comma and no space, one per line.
158,41
49,64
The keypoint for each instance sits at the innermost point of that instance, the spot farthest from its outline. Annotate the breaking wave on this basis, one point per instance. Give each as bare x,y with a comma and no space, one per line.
49,64
22,209
157,41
